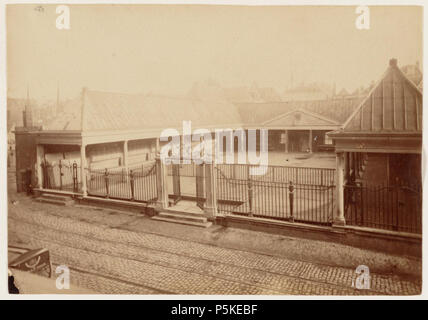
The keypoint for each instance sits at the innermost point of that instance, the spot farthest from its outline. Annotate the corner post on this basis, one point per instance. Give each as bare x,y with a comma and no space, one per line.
40,150
162,189
210,208
339,218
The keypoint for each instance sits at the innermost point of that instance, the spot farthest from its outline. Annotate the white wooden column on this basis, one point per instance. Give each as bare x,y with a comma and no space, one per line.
339,218
310,141
40,150
157,145
286,141
346,167
125,155
82,169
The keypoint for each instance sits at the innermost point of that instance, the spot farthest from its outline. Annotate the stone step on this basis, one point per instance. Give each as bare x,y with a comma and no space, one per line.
55,197
190,223
182,216
53,201
182,212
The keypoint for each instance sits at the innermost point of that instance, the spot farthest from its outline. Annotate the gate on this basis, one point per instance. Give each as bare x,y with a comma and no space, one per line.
176,188
186,180
61,176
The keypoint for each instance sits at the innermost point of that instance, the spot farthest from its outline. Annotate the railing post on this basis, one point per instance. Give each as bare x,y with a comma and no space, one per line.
106,178
291,200
60,174
82,169
162,189
43,175
131,180
250,192
250,197
75,180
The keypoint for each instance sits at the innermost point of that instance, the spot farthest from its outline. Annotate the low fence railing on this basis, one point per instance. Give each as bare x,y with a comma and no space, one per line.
397,208
137,184
274,196
298,175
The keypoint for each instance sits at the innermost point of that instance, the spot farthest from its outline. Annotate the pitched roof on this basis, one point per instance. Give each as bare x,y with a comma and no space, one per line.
336,110
68,119
104,111
393,105
300,117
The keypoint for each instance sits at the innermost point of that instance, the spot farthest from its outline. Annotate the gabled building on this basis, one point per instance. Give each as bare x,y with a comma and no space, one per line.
379,148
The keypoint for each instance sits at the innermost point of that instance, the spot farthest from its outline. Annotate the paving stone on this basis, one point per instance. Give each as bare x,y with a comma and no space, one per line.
113,260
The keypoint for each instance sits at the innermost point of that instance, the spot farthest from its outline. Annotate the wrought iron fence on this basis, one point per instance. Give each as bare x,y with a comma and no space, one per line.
63,176
275,195
137,184
298,175
397,208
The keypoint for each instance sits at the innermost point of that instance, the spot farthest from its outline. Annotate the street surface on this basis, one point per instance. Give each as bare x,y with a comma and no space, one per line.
116,252
105,257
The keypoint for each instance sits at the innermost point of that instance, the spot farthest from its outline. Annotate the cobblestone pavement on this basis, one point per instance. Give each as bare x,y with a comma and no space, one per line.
106,258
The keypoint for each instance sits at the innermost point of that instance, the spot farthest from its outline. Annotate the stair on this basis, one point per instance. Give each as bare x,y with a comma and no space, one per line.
187,218
55,199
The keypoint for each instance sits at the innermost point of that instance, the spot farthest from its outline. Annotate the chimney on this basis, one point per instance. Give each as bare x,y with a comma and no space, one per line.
393,62
27,113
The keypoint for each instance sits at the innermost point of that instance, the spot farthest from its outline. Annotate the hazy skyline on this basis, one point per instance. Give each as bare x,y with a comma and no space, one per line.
166,48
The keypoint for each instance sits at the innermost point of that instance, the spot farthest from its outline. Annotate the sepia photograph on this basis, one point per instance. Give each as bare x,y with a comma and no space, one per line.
203,149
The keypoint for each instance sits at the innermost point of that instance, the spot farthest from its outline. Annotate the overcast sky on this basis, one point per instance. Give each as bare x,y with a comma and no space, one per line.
164,49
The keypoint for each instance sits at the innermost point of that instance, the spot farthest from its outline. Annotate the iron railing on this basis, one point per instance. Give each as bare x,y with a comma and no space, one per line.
137,184
274,195
298,175
389,207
